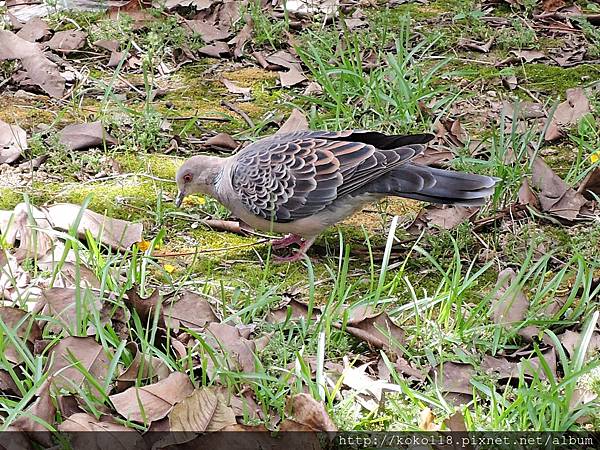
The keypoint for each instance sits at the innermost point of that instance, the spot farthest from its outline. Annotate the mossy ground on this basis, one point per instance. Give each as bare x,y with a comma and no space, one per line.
433,269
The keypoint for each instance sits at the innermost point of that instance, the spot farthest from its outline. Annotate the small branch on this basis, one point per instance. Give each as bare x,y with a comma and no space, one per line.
239,112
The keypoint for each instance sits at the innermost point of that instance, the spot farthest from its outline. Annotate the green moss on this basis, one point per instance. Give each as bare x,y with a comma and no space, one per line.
9,198
157,165
130,199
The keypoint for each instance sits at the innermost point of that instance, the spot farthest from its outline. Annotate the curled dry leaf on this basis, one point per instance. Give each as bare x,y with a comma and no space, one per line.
222,140
144,307
568,113
240,40
510,305
73,352
78,430
115,233
204,410
590,185
296,310
85,135
371,389
230,339
152,402
23,327
235,88
294,74
376,328
43,409
190,310
296,122
67,41
34,30
144,367
556,196
311,413
506,368
570,340
207,31
441,216
454,380
13,141
40,70
427,420
64,305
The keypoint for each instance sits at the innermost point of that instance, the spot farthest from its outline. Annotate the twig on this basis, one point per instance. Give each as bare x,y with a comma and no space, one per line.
238,111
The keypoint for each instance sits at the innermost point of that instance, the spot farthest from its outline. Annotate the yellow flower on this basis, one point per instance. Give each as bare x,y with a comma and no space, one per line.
194,200
595,157
169,268
143,245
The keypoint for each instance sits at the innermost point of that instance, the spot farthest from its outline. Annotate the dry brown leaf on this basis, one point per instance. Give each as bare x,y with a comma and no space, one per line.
43,409
510,82
230,339
445,217
570,340
510,305
222,140
34,30
86,353
23,328
568,113
81,136
528,55
144,367
190,310
296,309
204,410
527,196
62,304
67,41
556,196
590,185
426,420
376,328
235,88
311,413
294,74
216,50
240,40
144,307
13,141
477,46
8,387
456,422
207,31
115,233
86,432
296,122
40,70
369,391
455,377
153,402
506,368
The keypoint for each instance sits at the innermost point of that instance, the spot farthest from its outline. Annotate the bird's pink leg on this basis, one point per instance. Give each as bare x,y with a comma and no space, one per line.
286,241
297,255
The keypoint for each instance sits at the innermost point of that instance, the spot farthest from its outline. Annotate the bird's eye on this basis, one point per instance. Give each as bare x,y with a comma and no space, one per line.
187,178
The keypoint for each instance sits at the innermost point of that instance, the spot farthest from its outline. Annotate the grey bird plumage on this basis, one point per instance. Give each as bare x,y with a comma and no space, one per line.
303,182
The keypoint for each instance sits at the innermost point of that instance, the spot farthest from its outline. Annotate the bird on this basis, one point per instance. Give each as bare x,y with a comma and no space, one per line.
300,183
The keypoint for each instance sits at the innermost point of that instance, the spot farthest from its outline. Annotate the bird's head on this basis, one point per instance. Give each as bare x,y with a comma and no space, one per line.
197,176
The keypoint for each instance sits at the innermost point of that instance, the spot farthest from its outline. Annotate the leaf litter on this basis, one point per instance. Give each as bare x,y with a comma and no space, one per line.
170,397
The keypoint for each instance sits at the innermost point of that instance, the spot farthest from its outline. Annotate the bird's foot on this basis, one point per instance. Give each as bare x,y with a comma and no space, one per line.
286,241
297,255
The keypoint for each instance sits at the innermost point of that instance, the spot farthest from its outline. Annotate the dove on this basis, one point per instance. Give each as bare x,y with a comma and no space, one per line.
301,183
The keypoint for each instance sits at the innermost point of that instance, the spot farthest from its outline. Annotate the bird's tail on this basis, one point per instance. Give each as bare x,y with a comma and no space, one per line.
441,186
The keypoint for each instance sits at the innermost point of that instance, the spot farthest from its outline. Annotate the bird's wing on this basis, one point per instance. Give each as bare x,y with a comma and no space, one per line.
291,176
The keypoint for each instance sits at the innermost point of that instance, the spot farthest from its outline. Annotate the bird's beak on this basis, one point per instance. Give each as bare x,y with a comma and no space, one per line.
179,199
